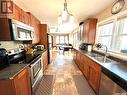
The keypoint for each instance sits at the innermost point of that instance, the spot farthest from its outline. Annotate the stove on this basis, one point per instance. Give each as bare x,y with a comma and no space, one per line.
34,61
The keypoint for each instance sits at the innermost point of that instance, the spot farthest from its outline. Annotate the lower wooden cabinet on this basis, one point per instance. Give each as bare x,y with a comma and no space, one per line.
45,60
94,78
90,69
19,85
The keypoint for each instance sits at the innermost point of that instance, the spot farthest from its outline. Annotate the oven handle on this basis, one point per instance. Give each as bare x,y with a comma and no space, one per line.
32,65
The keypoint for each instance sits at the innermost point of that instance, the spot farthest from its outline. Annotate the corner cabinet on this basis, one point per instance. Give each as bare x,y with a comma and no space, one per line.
19,85
89,31
90,69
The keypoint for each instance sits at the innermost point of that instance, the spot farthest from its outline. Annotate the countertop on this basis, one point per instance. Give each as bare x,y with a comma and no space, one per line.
116,71
40,52
11,71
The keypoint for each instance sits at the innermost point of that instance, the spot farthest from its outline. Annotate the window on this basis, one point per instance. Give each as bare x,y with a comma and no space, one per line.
105,34
57,39
122,35
114,35
62,39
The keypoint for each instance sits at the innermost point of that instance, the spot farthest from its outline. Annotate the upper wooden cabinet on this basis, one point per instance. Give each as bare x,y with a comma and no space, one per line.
43,35
34,22
19,14
16,13
5,32
89,31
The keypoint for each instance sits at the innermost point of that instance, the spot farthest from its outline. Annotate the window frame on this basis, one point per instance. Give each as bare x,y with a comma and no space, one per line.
113,18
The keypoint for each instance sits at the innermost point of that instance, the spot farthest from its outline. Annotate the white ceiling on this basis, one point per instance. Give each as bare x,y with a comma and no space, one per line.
47,11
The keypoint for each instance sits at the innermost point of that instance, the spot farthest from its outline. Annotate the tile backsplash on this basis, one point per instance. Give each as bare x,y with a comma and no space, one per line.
10,44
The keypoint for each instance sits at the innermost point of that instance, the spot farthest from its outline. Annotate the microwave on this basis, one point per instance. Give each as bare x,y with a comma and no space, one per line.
21,31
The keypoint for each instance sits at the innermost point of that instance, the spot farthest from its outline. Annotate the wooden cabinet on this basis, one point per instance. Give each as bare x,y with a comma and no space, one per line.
90,69
94,78
35,24
43,35
94,75
16,13
5,32
20,85
89,33
45,60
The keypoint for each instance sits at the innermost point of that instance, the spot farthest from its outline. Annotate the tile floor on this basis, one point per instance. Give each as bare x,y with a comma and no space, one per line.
63,77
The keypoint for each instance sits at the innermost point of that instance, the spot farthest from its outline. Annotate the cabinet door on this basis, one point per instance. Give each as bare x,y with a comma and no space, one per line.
5,33
85,66
92,31
43,34
22,83
35,24
17,13
94,78
86,70
86,31
45,60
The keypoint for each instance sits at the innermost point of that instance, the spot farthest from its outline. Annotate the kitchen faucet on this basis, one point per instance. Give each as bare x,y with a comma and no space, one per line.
99,45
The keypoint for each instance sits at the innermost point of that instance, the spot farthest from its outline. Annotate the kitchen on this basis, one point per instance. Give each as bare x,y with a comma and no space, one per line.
39,55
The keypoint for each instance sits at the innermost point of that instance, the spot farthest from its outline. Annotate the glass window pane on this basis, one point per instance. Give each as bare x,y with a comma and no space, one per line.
125,27
105,41
106,29
66,39
61,39
57,39
123,45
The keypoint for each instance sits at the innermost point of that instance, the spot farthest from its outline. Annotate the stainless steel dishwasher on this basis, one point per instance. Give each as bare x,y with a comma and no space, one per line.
109,87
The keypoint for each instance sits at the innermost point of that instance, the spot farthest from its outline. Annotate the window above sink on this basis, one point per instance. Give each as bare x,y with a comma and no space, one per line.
113,33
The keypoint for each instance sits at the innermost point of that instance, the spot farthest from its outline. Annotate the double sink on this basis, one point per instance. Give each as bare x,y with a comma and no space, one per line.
101,58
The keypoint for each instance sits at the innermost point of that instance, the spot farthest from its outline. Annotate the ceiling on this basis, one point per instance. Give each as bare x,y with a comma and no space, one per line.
47,11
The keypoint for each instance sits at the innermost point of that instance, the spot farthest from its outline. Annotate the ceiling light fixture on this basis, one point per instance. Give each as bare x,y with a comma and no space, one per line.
65,17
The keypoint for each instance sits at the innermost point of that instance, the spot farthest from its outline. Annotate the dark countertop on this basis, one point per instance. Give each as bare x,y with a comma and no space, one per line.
40,52
11,71
114,70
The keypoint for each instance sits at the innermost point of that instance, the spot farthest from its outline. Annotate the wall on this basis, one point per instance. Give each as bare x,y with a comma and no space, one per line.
107,12
9,44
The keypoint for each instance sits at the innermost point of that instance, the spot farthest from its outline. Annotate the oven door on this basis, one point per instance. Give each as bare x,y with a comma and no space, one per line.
36,72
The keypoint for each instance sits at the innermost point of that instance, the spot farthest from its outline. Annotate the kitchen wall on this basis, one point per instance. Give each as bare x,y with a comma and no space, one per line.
9,44
107,12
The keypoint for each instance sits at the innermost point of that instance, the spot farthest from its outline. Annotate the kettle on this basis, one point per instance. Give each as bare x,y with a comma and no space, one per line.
4,60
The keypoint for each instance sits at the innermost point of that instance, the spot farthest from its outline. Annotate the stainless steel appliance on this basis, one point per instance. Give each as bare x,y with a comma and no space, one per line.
36,72
4,62
21,31
40,47
85,46
109,87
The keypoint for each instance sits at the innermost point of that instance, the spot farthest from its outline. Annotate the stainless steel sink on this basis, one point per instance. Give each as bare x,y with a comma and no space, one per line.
101,58
94,55
104,60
